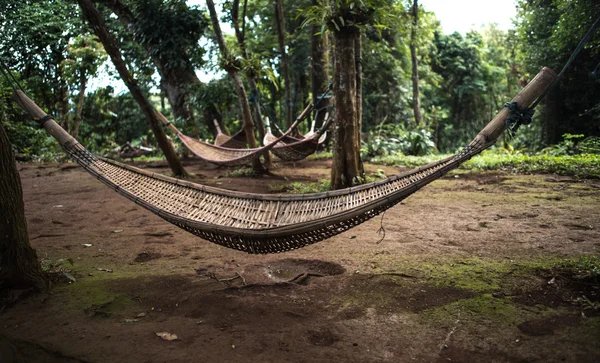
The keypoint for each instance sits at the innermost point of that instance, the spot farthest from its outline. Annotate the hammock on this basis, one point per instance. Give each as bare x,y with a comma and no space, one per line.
294,149
257,223
237,141
218,154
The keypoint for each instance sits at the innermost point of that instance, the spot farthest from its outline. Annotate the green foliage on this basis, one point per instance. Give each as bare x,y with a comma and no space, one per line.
575,144
415,142
31,142
548,32
580,166
52,266
304,188
170,30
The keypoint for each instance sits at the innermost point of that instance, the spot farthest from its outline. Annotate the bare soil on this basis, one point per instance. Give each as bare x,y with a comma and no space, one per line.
472,268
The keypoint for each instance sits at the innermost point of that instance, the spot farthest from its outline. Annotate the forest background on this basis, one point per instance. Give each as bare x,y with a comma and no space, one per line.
463,79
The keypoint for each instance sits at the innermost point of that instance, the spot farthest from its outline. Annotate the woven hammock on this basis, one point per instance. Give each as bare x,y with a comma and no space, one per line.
218,154
257,223
237,141
293,149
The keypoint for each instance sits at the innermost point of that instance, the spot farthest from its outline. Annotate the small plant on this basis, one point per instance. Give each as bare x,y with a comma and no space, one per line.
56,266
322,185
240,173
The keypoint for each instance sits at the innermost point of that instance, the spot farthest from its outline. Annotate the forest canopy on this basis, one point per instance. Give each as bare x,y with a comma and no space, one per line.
463,79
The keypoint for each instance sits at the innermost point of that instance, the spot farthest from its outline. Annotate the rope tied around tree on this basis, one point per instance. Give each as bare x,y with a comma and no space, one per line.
517,117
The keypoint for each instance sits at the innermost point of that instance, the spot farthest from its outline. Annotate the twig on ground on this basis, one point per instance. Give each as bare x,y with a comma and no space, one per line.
447,340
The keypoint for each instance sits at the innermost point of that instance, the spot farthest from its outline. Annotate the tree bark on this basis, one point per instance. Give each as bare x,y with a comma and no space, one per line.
319,70
80,101
415,65
285,68
19,264
231,68
175,80
345,170
359,98
94,18
63,100
240,34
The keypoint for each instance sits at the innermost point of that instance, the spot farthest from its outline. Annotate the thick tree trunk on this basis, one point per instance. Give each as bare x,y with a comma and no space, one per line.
285,68
176,79
415,65
319,70
19,265
80,101
345,170
248,124
94,18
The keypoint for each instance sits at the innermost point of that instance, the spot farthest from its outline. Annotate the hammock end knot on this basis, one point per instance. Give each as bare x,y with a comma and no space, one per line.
517,117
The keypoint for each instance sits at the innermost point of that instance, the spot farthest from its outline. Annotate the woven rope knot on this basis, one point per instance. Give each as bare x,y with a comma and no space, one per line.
517,117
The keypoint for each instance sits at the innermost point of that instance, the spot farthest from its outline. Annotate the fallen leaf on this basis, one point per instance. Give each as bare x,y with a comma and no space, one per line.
232,346
140,315
87,244
69,276
117,231
167,336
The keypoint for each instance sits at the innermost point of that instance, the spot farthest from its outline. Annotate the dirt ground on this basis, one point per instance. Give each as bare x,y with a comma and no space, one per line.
471,269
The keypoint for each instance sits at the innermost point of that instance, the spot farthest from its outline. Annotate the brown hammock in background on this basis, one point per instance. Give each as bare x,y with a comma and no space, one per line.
218,154
257,223
237,141
294,149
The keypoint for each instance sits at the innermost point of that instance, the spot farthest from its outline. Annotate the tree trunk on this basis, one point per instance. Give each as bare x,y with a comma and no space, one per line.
248,124
80,101
415,65
285,68
550,116
345,170
359,98
19,265
175,79
240,34
319,70
261,126
94,18
63,100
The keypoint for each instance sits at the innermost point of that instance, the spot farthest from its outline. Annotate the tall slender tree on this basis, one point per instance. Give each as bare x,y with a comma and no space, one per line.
150,21
285,68
94,18
240,34
85,56
415,63
319,66
231,67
